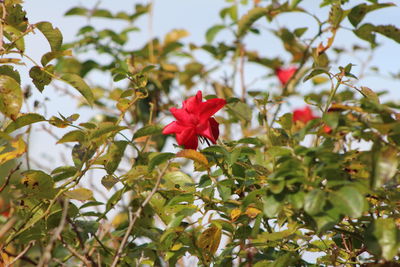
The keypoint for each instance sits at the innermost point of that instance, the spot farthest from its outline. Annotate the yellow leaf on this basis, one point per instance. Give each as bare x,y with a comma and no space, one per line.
252,212
119,219
235,213
193,155
208,241
176,247
81,194
19,148
175,35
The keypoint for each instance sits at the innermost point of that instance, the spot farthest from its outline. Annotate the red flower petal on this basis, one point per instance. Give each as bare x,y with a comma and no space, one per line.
304,115
210,107
173,127
284,75
327,129
215,128
187,138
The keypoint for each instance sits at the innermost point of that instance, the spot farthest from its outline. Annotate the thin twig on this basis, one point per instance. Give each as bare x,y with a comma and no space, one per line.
7,227
20,255
134,216
76,254
9,177
47,252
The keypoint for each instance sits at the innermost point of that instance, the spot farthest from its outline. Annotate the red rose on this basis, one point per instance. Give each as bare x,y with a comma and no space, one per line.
303,114
284,75
194,119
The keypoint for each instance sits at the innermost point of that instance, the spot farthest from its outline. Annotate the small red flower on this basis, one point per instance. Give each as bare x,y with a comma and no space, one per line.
303,114
327,129
284,75
194,119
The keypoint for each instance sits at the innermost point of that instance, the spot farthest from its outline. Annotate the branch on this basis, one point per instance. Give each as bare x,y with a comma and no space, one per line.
134,216
47,252
20,255
9,177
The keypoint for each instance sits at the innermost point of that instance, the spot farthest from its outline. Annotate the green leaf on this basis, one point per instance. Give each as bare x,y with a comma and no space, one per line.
106,128
10,97
335,15
159,159
9,71
358,12
40,78
371,95
240,110
178,180
109,181
63,172
79,84
316,72
73,136
272,206
16,36
148,130
102,13
81,194
366,32
224,192
385,163
314,201
24,120
114,155
348,200
213,31
46,58
247,20
382,238
79,11
37,184
53,35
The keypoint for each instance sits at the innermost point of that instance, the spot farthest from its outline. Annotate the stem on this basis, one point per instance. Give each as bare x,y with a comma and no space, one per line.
47,252
134,216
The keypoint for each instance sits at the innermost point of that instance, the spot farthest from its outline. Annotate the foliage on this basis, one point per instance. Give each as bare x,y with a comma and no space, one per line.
273,191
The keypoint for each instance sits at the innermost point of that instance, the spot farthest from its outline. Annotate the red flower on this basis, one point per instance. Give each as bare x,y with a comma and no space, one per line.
303,114
284,75
194,119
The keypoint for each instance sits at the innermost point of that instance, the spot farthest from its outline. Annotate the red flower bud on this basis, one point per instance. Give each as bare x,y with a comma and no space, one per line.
194,119
284,75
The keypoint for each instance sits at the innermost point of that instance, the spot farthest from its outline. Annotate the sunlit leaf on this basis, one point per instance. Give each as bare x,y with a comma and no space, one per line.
10,97
382,238
209,240
385,164
159,159
19,148
193,155
40,76
53,35
81,194
358,12
213,31
248,19
79,84
24,120
348,200
37,184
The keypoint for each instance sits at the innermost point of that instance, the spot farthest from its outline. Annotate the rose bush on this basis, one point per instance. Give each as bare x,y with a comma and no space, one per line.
270,186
